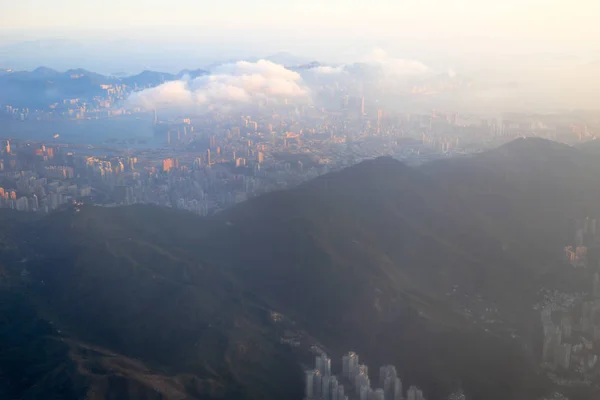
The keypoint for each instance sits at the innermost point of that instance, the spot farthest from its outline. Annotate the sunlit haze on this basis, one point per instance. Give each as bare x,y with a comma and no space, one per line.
318,28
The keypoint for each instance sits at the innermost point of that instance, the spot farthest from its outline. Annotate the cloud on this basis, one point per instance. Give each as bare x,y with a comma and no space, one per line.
376,75
170,94
227,86
242,84
397,67
377,65
378,62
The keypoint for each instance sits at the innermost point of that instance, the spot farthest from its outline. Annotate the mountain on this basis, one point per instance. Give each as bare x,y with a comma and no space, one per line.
133,318
307,66
591,147
192,74
529,188
155,78
45,86
148,78
44,72
435,270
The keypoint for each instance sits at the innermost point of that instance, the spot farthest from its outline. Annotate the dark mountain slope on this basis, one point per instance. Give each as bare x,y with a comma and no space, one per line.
396,263
372,250
111,284
590,147
525,192
378,211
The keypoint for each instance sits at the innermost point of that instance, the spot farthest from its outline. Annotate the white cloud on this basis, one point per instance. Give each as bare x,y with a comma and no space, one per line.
396,67
381,64
236,85
169,94
227,86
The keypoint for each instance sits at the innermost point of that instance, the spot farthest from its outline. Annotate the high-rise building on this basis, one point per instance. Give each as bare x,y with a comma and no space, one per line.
208,157
344,101
398,389
364,393
318,363
378,394
326,387
352,364
260,157
334,385
309,378
131,163
167,164
345,366
35,205
596,285
552,339
566,327
362,105
414,394
325,365
317,378
341,394
385,372
22,204
363,369
360,381
562,356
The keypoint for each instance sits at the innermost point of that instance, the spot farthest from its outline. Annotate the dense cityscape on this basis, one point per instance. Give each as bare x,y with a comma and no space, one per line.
206,163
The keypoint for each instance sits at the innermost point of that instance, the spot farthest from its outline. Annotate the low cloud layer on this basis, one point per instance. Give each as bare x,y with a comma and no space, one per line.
228,86
379,64
377,76
397,67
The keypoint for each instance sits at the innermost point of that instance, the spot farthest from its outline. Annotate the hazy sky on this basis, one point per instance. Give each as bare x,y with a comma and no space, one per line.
317,26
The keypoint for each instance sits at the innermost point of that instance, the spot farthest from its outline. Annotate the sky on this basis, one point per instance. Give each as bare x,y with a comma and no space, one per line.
335,28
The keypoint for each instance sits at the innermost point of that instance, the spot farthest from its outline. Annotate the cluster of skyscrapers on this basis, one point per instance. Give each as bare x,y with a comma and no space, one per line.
322,385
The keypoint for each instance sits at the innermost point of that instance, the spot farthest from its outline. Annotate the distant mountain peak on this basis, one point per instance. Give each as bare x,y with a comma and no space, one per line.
531,144
45,71
380,165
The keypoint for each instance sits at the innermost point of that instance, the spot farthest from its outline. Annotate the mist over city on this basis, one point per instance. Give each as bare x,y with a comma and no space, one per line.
303,200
